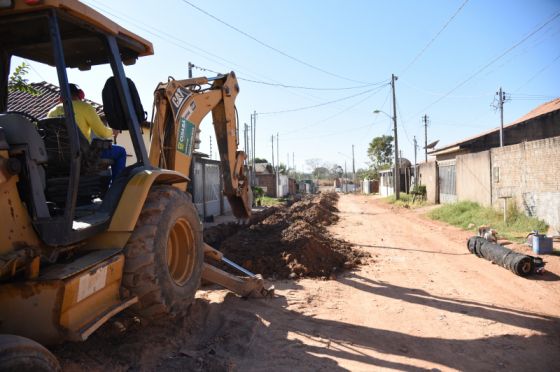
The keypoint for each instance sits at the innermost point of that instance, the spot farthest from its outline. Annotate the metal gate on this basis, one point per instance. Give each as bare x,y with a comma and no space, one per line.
207,188
447,181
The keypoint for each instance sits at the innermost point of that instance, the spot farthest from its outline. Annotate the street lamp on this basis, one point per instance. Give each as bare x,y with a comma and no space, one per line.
396,170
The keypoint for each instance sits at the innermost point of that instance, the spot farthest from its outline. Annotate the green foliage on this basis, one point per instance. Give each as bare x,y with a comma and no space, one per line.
470,215
260,160
419,190
267,201
370,174
17,82
258,194
406,201
380,152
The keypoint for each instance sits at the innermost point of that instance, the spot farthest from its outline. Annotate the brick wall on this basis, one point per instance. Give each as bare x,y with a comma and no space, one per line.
268,181
529,173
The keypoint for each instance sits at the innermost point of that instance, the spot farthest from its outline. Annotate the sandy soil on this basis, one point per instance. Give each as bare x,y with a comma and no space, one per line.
420,302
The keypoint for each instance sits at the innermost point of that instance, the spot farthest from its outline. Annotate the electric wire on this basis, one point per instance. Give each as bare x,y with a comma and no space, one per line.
435,37
317,105
178,43
544,68
492,61
269,46
293,86
322,121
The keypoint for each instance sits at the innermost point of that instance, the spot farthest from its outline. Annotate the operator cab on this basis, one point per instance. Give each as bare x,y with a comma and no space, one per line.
60,173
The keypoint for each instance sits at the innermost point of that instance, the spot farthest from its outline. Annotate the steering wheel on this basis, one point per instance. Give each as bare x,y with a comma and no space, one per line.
27,115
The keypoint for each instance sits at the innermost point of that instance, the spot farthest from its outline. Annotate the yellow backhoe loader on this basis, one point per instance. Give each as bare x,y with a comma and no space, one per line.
75,251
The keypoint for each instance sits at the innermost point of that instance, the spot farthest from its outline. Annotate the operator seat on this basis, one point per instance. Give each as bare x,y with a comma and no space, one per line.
94,173
26,145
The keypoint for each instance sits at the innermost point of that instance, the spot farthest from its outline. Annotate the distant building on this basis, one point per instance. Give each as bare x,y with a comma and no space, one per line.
540,123
525,172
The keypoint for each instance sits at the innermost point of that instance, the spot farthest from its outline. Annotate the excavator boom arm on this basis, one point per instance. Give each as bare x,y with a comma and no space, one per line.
180,107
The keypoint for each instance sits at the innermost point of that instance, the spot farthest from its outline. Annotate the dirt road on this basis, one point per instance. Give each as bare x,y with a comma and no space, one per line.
422,302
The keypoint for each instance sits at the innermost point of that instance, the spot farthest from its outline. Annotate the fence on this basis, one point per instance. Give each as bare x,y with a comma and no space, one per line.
528,174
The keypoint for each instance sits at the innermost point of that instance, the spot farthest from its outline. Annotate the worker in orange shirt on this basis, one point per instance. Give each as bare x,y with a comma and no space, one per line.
88,121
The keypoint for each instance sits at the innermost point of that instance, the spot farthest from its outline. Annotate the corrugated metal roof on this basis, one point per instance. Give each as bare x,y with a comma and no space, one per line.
543,109
40,105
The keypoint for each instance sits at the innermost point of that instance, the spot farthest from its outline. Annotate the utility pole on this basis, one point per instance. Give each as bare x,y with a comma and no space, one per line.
415,166
253,141
501,99
396,177
425,119
345,182
353,168
245,149
210,147
278,165
272,140
190,70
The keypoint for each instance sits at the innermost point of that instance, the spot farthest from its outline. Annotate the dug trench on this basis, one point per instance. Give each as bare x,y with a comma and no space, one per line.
288,242
282,242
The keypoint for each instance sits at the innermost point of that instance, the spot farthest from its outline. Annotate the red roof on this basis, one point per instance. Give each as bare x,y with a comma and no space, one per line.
40,105
543,109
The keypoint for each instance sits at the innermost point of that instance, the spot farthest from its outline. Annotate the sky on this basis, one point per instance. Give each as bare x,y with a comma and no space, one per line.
337,58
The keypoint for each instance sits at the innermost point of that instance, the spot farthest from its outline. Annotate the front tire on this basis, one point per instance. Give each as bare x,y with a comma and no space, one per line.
164,255
22,354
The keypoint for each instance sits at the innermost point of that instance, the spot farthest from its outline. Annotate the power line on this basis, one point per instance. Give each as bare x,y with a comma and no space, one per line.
178,43
435,37
269,46
291,86
337,133
318,105
322,121
492,61
311,88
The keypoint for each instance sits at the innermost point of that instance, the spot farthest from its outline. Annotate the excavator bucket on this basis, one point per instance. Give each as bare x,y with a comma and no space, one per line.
249,286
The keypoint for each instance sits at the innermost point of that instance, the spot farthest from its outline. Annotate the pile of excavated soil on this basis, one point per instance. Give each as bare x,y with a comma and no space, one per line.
289,242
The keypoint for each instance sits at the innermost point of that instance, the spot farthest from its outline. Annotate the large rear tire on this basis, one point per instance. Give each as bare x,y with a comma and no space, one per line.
22,354
164,255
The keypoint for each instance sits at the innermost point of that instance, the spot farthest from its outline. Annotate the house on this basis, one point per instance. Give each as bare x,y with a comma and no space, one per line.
540,123
265,178
524,172
39,105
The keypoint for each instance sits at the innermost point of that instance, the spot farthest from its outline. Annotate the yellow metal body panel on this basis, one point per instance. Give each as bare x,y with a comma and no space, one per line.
130,205
57,309
16,230
84,13
87,295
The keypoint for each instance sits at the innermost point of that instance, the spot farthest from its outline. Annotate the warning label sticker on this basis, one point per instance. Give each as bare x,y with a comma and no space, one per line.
91,283
185,139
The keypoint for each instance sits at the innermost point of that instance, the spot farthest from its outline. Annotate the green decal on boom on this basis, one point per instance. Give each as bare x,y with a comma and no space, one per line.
185,139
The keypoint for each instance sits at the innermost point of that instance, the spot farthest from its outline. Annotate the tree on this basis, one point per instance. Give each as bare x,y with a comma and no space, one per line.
261,160
18,83
380,152
337,171
366,173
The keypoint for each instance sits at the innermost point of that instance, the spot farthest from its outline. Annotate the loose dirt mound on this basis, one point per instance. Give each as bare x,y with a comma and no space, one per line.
292,242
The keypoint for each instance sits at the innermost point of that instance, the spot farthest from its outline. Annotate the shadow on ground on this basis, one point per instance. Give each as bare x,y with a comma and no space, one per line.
240,335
